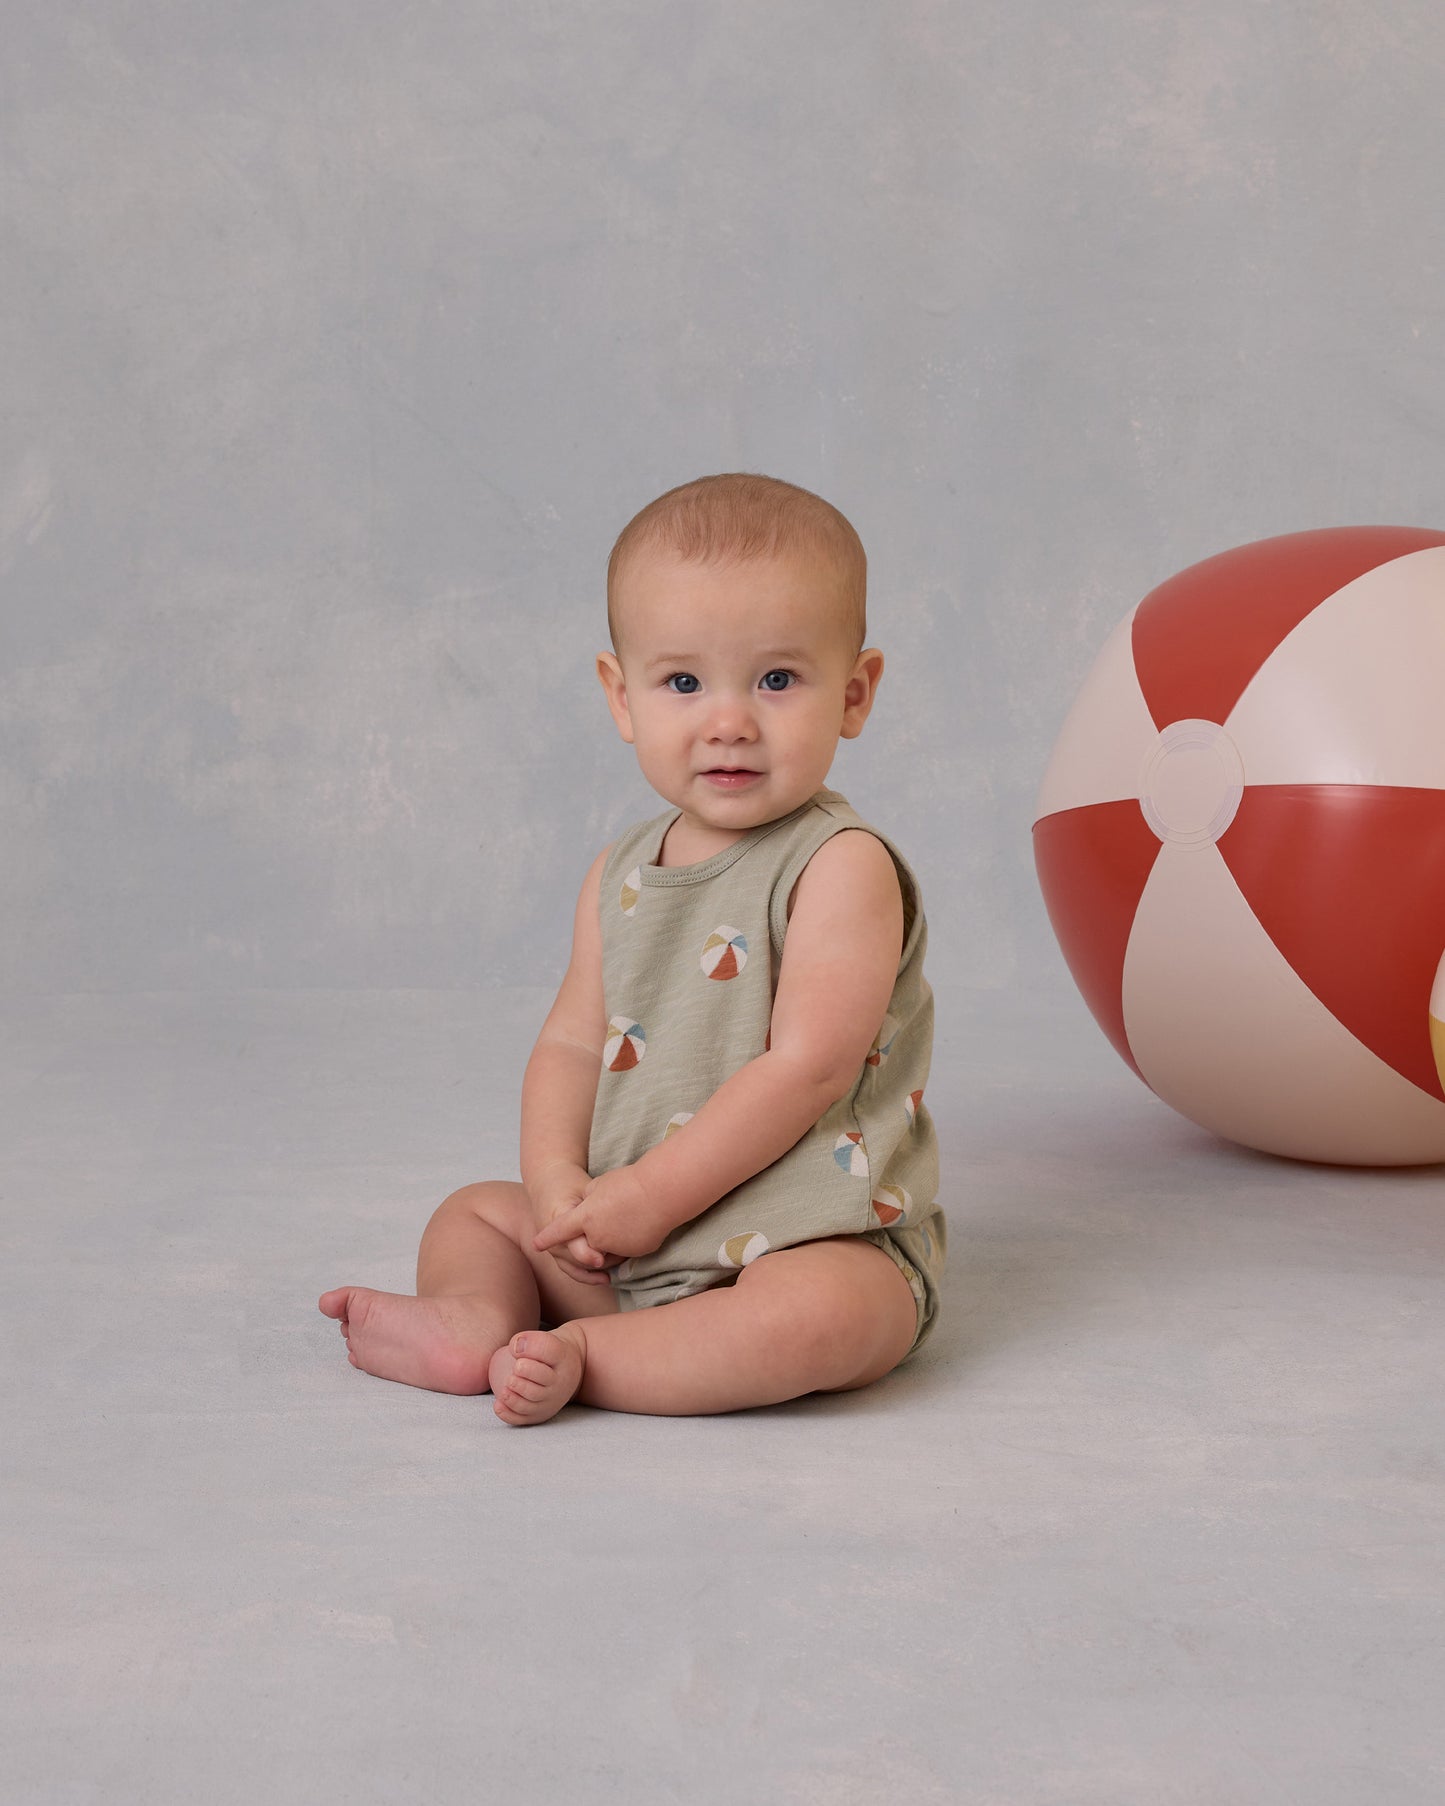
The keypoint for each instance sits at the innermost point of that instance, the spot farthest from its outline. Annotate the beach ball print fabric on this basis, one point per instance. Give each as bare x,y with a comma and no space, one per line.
891,1205
851,1155
625,1045
724,953
741,1250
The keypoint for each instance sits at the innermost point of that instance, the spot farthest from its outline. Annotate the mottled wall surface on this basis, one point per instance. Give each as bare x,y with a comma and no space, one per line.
340,340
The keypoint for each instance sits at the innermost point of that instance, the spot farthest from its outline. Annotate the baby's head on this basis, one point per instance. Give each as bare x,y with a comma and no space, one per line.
736,608
740,518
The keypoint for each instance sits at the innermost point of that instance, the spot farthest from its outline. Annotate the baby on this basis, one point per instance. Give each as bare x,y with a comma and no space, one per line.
729,1178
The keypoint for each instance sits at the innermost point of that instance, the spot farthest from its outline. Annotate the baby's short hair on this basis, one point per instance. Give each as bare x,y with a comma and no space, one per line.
739,515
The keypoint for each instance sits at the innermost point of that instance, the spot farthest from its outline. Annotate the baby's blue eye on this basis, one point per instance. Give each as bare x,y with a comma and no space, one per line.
785,680
683,683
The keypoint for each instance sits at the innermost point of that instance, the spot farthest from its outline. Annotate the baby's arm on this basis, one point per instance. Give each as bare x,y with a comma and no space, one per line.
559,1088
840,960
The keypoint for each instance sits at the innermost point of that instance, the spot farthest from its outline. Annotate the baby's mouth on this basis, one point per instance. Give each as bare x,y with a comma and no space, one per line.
731,776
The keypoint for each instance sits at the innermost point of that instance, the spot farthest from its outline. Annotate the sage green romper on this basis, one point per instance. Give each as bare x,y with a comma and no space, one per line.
690,958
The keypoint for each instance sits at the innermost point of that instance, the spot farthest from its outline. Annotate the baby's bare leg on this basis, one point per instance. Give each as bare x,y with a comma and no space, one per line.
824,1317
479,1281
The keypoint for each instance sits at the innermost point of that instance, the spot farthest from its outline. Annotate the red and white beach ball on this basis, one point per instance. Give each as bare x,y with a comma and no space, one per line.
1241,844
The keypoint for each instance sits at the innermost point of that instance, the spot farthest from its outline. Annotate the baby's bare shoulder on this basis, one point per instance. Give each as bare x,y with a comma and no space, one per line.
841,954
852,872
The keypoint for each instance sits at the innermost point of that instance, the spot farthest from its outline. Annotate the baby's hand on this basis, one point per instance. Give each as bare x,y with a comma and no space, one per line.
561,1190
578,1259
617,1211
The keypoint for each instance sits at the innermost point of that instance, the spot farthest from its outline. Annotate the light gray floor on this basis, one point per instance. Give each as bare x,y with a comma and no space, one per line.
1155,1518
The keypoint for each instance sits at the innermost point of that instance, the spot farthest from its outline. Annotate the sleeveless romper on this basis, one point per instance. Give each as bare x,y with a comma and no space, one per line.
690,958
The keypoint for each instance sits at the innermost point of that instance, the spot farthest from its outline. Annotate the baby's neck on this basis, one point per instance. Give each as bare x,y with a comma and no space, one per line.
684,844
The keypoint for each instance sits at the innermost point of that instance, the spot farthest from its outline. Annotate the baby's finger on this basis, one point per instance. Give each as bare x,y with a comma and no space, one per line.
588,1275
561,1229
582,1251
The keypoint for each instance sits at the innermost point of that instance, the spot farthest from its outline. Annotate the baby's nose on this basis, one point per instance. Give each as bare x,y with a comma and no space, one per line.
731,719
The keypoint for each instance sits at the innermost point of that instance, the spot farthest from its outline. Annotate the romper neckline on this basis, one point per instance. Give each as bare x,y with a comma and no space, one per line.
653,874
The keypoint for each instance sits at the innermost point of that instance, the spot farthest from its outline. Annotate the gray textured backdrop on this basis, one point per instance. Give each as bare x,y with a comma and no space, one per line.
339,341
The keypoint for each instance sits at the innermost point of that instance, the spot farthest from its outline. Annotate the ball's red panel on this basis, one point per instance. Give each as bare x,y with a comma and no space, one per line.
1227,1032
1201,636
1093,864
1348,881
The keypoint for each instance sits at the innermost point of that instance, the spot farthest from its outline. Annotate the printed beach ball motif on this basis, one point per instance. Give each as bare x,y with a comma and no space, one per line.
911,1103
631,891
1241,843
891,1204
625,1045
740,1250
674,1123
883,1041
724,953
851,1155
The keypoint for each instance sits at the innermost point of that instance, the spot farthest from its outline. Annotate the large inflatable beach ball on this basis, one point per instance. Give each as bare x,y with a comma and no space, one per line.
1241,843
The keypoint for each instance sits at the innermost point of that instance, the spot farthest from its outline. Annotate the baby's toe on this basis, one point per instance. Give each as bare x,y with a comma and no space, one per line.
522,1385
335,1303
500,1369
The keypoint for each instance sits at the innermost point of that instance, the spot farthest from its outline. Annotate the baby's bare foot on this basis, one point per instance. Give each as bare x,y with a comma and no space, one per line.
443,1344
535,1375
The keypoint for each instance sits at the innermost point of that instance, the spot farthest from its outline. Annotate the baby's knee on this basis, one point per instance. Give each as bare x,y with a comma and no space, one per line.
501,1202
839,1301
796,1300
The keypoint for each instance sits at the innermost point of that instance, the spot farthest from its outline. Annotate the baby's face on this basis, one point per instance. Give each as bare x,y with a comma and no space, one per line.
735,683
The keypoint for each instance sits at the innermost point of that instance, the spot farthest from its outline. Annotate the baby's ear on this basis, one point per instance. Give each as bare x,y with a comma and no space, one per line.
609,673
862,688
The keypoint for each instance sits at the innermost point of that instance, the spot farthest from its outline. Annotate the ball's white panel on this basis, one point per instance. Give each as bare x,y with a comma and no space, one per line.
1226,1032
1193,783
1107,735
1353,694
